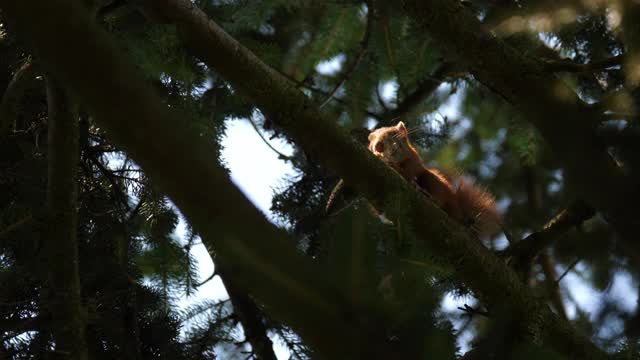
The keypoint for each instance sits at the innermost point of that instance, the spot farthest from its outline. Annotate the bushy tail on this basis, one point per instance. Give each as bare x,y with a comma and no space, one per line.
478,207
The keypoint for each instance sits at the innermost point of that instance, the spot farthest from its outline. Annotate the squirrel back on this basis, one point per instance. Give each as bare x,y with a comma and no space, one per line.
468,203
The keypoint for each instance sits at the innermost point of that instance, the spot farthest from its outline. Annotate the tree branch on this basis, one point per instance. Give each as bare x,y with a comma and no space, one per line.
526,250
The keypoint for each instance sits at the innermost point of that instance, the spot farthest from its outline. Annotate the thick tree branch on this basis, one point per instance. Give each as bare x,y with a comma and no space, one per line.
61,245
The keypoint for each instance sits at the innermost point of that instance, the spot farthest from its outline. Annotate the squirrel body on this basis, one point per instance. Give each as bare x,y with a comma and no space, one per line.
463,200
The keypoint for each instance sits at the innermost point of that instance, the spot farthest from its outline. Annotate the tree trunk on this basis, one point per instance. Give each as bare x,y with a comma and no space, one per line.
61,246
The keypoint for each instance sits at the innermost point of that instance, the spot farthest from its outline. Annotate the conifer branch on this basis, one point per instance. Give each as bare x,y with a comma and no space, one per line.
364,44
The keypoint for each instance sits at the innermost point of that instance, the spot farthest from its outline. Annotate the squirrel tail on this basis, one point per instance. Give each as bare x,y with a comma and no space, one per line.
478,207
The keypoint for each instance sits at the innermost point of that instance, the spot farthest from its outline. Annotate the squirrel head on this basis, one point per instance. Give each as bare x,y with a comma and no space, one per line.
391,144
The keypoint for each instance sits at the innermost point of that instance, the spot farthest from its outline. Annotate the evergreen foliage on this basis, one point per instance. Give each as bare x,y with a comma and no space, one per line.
134,266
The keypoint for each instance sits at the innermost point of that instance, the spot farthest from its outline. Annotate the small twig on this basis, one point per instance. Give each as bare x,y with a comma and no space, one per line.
471,311
304,85
255,127
569,268
110,177
570,66
206,280
364,44
507,234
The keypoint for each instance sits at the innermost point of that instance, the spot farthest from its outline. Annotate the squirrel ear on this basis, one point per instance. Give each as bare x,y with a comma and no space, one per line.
401,127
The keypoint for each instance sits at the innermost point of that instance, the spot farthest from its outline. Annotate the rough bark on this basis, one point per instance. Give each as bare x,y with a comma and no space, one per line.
61,245
257,252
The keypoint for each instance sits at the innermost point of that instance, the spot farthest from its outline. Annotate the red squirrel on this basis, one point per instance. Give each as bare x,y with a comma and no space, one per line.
466,202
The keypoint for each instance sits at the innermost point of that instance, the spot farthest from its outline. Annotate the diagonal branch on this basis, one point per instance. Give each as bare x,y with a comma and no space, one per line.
527,249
